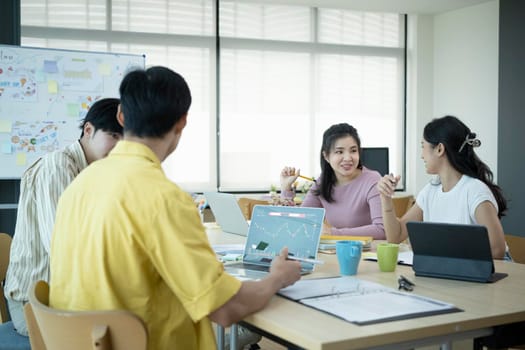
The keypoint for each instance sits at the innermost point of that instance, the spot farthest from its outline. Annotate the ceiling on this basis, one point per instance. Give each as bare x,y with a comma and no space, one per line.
398,6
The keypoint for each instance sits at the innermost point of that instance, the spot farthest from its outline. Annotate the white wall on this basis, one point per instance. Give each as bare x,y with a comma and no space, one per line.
461,47
420,78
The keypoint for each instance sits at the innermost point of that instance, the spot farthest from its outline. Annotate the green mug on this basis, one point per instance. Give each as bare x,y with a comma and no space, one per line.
387,256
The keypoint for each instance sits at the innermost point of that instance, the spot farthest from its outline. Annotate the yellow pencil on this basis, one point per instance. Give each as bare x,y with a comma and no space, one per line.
307,178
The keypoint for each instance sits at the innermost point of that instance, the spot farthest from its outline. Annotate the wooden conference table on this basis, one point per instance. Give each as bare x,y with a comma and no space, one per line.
484,306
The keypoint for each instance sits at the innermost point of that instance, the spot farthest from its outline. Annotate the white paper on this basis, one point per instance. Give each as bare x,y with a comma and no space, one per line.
309,288
377,306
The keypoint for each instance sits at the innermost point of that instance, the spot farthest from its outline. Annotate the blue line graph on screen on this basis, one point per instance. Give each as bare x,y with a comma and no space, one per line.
275,227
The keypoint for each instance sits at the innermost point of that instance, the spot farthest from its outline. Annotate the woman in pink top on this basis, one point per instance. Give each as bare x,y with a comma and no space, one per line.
346,189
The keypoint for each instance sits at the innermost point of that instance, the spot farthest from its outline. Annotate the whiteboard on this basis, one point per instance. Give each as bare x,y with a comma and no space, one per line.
45,94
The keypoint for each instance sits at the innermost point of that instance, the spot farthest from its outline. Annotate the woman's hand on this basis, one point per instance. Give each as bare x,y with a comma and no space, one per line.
288,176
387,185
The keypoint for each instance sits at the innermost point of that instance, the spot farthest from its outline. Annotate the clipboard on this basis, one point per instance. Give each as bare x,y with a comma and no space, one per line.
362,302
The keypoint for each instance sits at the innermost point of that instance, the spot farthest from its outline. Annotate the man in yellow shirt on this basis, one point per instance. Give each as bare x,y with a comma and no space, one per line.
126,237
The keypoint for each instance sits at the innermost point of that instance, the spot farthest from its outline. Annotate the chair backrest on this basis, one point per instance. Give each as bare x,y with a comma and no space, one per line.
35,337
247,205
81,330
5,247
402,204
516,247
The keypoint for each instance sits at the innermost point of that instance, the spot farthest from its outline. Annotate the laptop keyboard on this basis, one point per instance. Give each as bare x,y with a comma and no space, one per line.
249,266
253,267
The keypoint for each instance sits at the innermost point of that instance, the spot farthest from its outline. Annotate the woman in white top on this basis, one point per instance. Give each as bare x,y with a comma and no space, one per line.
462,193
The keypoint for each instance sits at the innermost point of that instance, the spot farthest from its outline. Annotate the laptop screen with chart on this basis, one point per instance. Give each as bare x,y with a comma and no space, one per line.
275,227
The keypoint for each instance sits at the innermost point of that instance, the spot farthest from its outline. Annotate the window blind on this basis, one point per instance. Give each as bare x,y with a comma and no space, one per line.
286,73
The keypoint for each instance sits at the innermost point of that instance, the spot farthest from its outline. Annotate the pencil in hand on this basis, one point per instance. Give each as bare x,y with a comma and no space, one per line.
307,178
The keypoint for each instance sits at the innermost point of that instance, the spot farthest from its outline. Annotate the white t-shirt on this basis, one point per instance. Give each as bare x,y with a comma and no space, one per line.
456,206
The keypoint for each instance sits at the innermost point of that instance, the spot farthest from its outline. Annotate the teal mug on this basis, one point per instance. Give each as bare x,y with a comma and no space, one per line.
348,256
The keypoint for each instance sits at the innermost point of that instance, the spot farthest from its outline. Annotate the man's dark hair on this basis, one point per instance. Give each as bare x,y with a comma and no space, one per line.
153,101
103,116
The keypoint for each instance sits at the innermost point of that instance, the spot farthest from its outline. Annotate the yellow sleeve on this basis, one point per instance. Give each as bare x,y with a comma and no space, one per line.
182,255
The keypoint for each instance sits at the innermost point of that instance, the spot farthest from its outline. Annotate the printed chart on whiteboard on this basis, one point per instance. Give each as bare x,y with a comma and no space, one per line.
45,94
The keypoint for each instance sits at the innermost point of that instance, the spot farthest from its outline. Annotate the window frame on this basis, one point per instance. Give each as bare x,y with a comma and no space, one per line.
215,44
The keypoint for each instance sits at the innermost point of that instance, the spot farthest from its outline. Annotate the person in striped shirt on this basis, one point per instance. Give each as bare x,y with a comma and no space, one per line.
40,188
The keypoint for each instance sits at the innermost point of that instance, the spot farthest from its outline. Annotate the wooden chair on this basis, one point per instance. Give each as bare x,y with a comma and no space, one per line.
516,247
53,329
5,247
247,205
402,204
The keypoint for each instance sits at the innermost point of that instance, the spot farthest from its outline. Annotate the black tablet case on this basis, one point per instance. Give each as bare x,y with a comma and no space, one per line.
452,251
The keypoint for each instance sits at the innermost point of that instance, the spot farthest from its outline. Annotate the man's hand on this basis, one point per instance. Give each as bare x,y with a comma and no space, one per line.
287,271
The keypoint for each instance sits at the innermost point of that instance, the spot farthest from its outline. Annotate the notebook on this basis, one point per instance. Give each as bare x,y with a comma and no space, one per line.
227,212
328,242
453,251
271,229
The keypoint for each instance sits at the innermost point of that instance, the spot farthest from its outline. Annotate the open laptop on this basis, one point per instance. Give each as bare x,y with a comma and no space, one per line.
453,251
227,212
271,229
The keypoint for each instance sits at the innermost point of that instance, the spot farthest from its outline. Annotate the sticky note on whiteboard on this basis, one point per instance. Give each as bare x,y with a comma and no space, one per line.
50,66
104,69
21,159
6,125
52,86
73,109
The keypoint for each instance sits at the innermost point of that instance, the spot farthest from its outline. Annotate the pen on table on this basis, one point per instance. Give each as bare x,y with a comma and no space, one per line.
311,261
